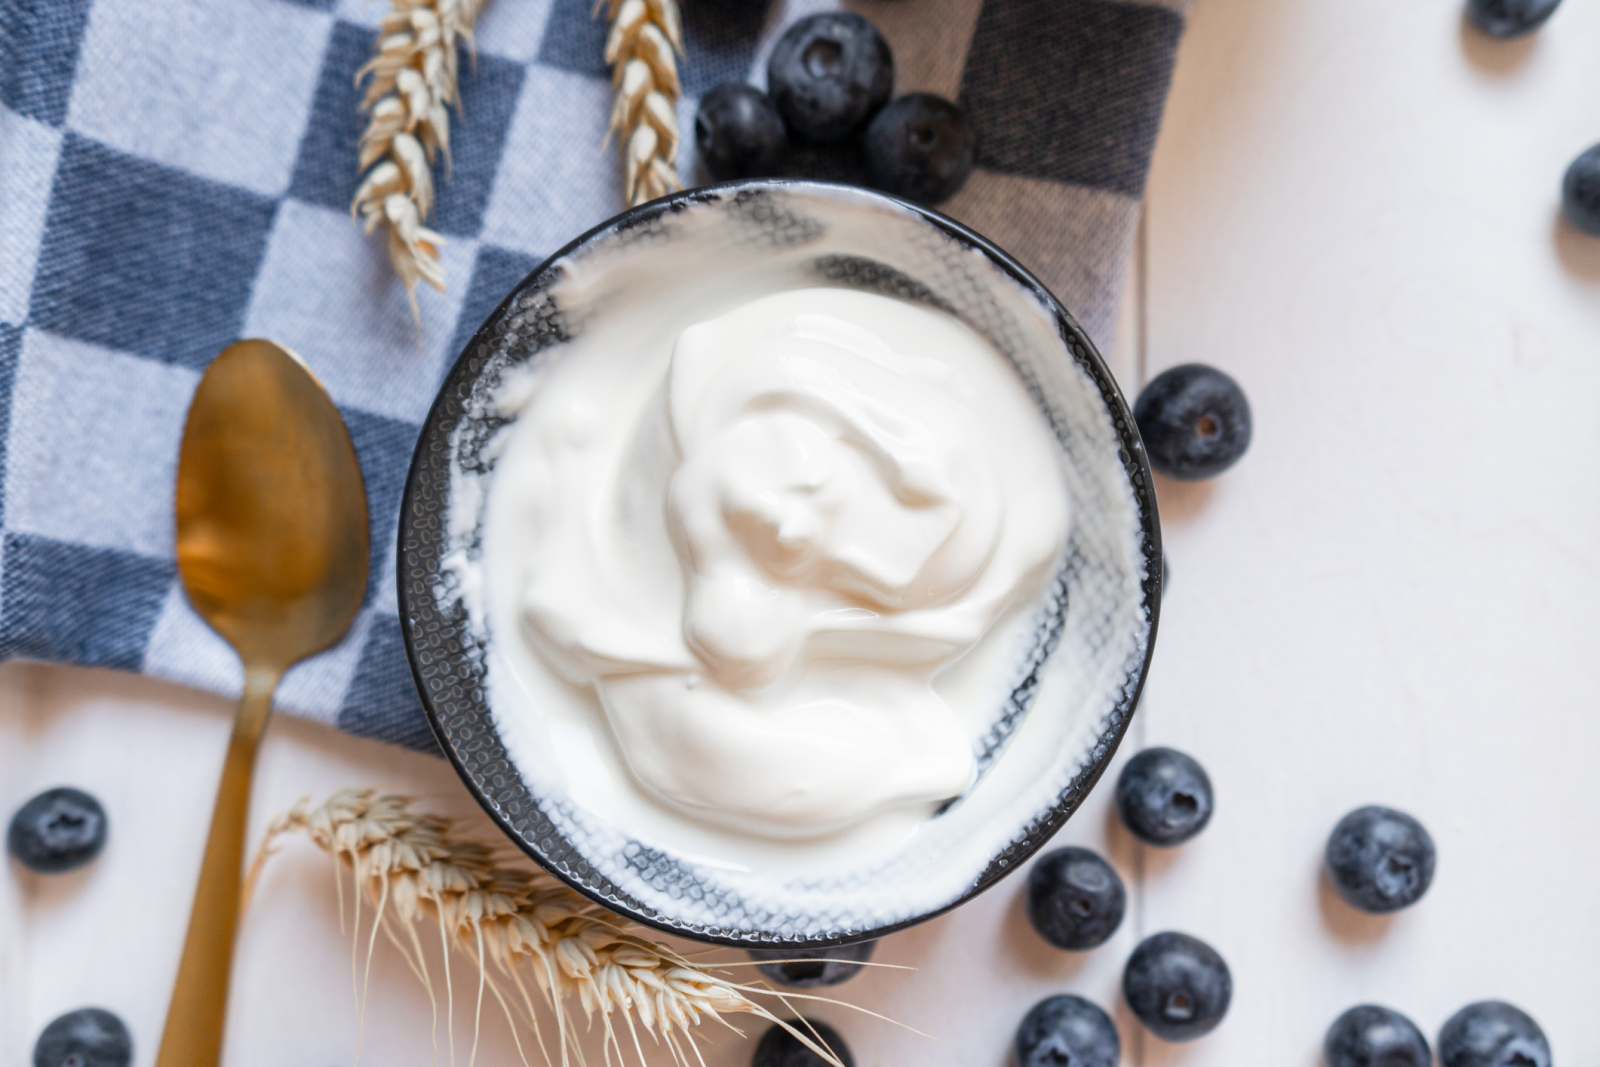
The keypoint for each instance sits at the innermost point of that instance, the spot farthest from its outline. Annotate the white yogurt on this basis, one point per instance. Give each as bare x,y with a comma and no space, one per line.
760,541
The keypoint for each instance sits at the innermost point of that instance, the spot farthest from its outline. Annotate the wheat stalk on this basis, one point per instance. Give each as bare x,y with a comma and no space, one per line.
412,87
645,40
528,936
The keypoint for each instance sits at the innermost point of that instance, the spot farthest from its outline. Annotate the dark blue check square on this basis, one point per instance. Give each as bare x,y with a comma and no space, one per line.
574,38
494,275
489,90
39,42
70,603
383,446
382,700
146,259
10,351
327,170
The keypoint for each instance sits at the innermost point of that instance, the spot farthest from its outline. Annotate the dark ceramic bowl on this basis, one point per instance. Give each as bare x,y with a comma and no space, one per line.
1075,688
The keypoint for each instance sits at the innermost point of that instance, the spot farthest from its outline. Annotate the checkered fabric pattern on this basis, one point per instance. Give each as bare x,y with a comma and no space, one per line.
176,174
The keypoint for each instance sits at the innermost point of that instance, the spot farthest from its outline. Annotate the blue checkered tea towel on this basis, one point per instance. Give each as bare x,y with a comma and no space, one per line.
176,174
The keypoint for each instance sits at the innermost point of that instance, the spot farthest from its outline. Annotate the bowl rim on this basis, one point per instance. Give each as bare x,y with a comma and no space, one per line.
1080,347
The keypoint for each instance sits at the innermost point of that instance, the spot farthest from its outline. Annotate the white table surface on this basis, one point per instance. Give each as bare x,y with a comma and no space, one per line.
1354,211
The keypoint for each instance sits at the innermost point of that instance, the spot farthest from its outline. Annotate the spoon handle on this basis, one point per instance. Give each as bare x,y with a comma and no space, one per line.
193,1033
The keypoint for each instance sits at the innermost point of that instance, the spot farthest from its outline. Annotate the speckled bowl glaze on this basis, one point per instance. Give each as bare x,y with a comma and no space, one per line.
1095,632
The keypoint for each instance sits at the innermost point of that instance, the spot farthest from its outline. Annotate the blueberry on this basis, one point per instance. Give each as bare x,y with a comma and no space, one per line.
807,968
920,148
1379,859
739,133
1370,1036
88,1037
1075,900
1194,420
779,1048
829,74
1492,1034
1509,18
1067,1031
58,830
1580,192
1164,797
1178,986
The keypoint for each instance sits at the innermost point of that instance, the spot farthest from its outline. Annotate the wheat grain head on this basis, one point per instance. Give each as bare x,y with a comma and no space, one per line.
411,86
530,938
642,47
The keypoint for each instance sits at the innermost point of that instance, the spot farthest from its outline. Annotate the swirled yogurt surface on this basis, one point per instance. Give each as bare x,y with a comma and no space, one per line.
759,542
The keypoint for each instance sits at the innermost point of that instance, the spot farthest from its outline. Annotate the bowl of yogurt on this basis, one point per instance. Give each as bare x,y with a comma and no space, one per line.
779,564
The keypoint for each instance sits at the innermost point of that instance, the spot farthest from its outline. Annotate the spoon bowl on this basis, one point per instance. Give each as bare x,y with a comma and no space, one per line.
271,549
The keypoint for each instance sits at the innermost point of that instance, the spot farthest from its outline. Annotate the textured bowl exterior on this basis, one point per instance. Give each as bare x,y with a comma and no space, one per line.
444,653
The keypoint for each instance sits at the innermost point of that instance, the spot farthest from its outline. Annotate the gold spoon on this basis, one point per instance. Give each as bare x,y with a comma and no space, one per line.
272,548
